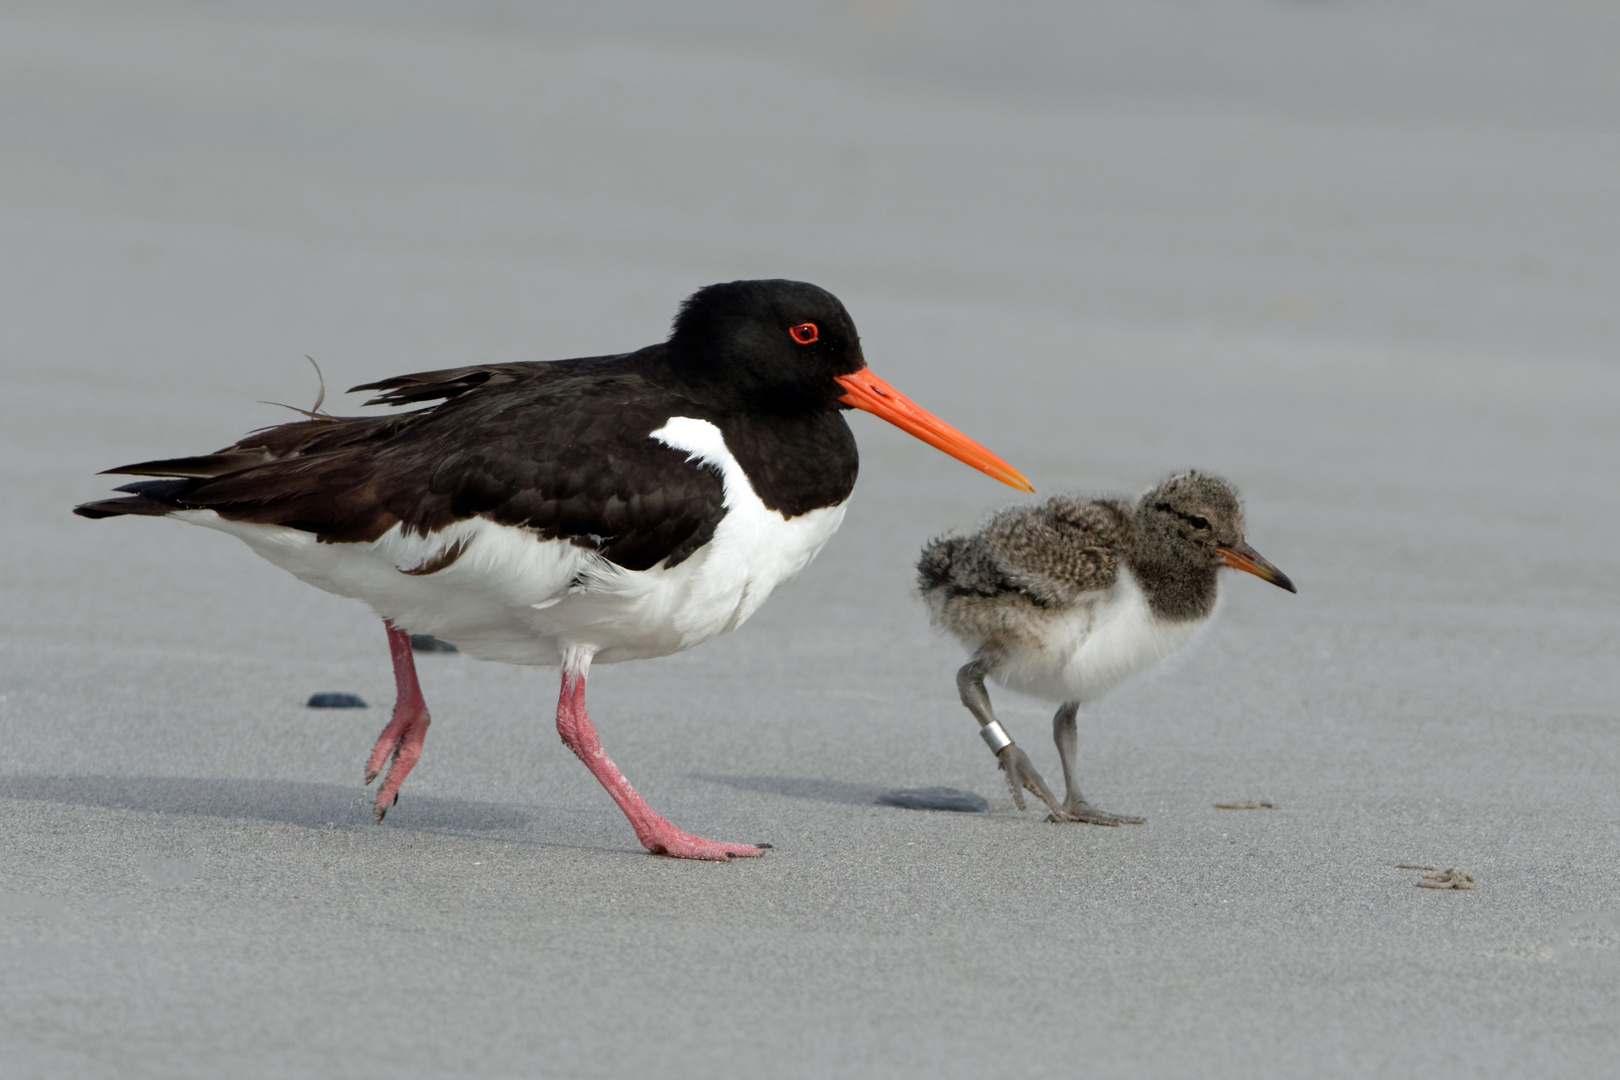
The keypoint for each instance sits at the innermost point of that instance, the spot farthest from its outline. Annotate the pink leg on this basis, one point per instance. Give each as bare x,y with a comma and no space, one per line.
656,834
402,738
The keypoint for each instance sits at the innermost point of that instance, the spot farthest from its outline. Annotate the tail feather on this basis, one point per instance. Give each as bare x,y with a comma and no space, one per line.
136,504
245,473
203,465
147,498
171,493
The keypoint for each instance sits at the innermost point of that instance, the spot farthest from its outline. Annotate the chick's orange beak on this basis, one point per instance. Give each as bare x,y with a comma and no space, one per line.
871,394
1241,556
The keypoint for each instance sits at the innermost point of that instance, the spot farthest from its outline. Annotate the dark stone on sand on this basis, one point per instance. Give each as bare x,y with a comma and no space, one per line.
332,700
429,643
935,798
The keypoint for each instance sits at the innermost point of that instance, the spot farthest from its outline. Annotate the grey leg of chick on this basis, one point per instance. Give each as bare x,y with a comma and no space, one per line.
1075,807
1015,764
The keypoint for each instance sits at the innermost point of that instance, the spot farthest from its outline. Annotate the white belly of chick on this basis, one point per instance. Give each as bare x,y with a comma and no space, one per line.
513,597
1087,650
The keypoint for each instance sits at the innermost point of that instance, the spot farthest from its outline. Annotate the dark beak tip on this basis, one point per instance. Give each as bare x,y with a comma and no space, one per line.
1243,557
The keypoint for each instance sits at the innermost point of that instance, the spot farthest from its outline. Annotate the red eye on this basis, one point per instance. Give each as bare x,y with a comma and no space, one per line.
805,333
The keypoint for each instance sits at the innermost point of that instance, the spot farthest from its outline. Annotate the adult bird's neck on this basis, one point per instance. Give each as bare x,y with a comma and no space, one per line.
795,464
796,460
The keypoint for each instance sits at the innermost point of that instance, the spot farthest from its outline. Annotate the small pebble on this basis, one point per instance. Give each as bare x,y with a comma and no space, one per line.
935,798
331,700
429,643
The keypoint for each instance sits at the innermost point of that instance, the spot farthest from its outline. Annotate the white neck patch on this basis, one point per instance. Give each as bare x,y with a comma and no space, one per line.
754,548
703,442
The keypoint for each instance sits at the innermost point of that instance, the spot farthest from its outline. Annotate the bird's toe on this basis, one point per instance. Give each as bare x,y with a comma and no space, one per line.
1084,813
684,845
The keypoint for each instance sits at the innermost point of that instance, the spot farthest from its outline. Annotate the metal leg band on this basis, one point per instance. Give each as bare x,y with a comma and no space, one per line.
995,736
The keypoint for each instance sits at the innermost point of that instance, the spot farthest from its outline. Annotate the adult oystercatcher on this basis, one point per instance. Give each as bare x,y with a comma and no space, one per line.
600,509
1066,600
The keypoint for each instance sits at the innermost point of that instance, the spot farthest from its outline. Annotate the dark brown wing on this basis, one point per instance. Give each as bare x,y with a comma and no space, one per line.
453,382
563,448
1058,552
1053,553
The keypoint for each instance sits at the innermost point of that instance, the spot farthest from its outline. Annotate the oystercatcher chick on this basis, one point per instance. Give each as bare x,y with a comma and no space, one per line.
564,513
1066,600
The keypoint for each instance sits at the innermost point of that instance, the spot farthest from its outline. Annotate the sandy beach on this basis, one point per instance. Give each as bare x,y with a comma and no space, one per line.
1359,257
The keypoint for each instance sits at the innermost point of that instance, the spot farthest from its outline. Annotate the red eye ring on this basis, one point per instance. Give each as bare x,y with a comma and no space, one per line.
804,333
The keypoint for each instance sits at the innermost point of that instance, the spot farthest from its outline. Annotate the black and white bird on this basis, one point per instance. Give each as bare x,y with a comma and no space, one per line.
1068,599
601,509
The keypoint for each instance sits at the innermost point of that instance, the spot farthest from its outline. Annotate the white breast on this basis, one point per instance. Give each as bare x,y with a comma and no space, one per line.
513,597
1094,646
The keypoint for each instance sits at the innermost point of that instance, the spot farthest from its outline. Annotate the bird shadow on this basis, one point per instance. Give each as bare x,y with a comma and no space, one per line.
801,787
313,806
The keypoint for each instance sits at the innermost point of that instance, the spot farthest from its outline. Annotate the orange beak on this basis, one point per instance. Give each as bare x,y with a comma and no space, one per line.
871,394
1241,556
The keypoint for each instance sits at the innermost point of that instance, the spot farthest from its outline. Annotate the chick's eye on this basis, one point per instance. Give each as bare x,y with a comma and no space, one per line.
1197,522
804,333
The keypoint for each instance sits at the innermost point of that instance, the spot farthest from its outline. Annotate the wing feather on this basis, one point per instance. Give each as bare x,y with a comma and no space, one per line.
1060,551
1053,553
511,443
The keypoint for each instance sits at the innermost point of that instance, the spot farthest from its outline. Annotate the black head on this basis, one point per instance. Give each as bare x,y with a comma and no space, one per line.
773,345
1196,519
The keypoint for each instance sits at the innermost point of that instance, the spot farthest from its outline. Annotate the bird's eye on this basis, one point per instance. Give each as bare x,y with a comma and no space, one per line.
804,333
1197,522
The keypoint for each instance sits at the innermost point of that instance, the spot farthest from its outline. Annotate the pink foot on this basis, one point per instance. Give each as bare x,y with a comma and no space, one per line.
683,845
655,833
402,739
